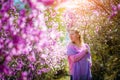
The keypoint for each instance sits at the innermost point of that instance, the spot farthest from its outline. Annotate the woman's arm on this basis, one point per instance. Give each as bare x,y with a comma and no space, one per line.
77,57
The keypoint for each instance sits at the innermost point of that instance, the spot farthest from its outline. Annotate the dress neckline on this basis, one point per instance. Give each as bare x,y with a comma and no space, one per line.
77,46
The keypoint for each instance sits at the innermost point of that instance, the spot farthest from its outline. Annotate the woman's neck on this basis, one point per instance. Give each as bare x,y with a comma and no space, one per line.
78,43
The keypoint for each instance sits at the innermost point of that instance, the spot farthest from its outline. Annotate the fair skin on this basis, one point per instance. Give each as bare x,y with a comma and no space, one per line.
75,38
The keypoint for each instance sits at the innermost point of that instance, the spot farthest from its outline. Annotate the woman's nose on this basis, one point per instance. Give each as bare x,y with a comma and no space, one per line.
70,36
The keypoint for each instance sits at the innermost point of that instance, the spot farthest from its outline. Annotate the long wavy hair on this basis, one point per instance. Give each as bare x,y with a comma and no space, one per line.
77,31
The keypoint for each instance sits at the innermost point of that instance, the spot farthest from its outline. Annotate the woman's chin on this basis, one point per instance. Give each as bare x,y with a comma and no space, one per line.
73,41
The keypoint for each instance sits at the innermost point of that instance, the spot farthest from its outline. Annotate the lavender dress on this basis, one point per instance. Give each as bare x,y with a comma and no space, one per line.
80,69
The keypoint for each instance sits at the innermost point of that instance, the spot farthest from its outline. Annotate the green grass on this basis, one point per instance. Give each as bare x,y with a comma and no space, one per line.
64,78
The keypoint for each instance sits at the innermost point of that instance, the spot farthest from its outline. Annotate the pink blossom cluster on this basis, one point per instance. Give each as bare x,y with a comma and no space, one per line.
26,42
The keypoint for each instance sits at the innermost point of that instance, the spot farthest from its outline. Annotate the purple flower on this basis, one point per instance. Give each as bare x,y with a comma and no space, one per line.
113,14
118,6
31,66
24,74
6,5
23,12
31,4
39,72
18,39
45,70
114,8
19,66
7,70
8,58
1,45
10,45
46,2
31,57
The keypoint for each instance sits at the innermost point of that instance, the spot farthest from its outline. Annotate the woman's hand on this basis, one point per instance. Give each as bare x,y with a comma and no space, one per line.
90,65
90,62
86,50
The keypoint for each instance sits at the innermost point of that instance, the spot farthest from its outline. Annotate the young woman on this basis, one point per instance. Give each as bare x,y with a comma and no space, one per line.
79,57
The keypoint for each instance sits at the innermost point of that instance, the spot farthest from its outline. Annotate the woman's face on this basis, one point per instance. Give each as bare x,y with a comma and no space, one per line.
74,36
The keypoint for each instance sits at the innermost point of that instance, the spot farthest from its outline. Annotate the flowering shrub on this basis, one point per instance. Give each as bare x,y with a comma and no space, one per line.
28,48
99,22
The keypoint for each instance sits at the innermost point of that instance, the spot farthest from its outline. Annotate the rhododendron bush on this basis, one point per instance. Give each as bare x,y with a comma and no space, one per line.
28,48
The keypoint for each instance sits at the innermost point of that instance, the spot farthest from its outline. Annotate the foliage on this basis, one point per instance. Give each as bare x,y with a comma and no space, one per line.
28,49
99,25
105,43
33,38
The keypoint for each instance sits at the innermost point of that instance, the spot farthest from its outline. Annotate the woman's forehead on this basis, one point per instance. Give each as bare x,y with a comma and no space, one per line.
73,32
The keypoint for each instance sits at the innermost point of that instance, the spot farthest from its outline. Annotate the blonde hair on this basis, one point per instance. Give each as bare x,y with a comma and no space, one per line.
77,30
